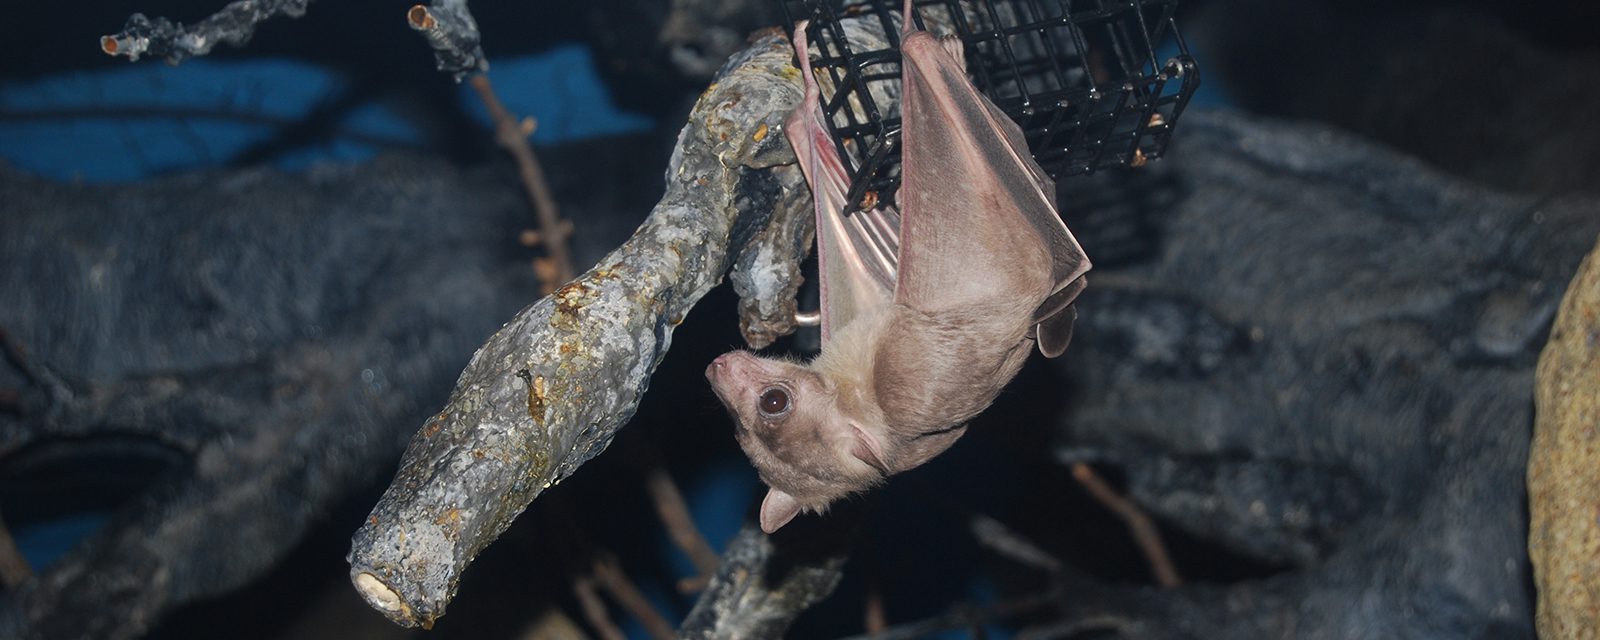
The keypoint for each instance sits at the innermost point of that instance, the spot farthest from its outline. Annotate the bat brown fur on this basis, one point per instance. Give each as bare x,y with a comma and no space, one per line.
983,265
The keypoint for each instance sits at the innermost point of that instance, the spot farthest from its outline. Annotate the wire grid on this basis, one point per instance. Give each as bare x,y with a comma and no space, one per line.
1080,77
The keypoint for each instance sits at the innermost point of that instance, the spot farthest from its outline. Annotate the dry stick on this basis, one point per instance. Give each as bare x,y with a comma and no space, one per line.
877,620
552,624
681,528
594,610
556,269
14,569
1143,529
616,583
999,538
175,41
37,375
964,616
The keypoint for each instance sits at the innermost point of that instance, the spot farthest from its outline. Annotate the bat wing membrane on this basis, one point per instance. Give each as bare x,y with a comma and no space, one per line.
857,255
965,162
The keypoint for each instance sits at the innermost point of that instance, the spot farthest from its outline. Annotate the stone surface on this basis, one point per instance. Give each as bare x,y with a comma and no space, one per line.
1564,465
228,356
1319,356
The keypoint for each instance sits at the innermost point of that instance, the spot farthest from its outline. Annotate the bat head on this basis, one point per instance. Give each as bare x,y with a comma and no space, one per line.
801,430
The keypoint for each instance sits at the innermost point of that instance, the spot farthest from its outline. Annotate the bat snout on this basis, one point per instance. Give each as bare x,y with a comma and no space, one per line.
732,363
727,371
724,365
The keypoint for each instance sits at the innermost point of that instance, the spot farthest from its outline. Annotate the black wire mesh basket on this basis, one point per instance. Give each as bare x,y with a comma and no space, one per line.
1081,77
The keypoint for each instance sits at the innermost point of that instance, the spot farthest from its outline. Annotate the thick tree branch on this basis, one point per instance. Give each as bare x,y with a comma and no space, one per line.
551,388
765,582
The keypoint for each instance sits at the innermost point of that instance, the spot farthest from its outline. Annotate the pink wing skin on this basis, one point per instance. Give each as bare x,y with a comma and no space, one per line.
979,216
857,255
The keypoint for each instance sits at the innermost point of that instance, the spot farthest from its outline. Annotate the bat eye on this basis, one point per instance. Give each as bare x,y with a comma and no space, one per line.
774,402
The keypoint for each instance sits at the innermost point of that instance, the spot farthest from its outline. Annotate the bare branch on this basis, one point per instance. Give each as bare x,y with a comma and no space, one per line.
963,616
554,624
234,24
1143,529
616,583
876,620
680,525
36,374
550,389
765,582
594,609
1001,539
512,136
14,569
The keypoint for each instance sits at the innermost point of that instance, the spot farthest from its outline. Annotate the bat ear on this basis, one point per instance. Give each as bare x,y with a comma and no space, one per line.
777,510
866,449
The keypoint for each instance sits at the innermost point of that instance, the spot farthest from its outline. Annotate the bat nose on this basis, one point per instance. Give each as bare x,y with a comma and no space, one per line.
716,367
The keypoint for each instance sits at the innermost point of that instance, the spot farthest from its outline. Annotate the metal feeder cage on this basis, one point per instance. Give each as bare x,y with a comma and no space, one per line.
1080,77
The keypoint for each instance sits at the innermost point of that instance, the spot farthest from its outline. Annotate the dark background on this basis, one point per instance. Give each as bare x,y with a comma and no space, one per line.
1498,93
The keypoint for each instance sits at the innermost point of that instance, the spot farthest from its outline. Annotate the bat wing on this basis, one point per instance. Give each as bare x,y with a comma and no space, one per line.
857,255
971,190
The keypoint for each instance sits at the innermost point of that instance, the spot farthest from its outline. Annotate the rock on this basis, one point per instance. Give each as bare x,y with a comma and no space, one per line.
1564,465
1319,356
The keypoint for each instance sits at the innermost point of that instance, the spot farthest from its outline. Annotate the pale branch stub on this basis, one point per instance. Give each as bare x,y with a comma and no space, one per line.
453,34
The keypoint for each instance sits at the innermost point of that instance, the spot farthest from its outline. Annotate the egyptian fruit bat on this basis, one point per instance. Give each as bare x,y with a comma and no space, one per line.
927,312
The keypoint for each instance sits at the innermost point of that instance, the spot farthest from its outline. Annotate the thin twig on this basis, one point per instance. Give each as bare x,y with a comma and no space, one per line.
553,624
616,583
1143,529
234,24
36,374
553,231
963,617
877,620
1110,626
14,569
594,610
680,525
1001,539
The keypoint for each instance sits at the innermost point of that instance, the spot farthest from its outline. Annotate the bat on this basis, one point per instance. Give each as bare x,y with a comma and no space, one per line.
928,311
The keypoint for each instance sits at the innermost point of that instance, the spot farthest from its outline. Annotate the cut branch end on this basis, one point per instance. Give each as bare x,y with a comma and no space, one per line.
419,18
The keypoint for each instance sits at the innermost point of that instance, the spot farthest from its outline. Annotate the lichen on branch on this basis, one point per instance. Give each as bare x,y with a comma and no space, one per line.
552,387
176,42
